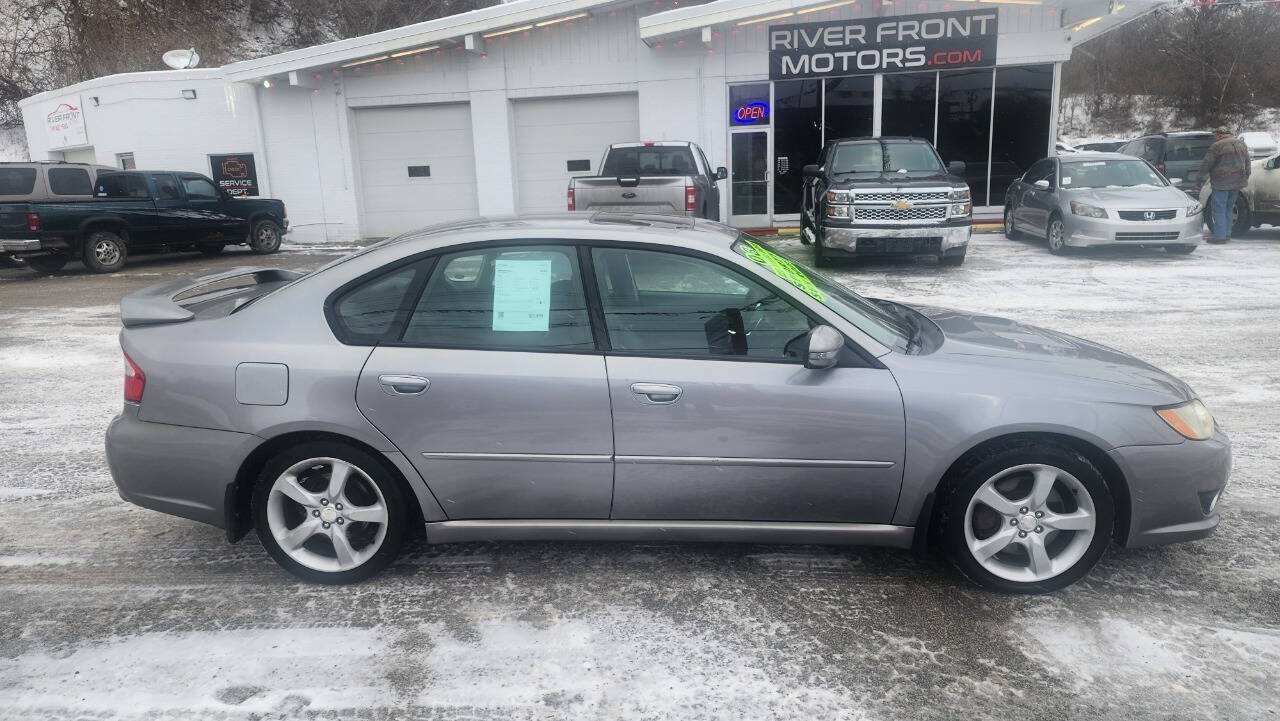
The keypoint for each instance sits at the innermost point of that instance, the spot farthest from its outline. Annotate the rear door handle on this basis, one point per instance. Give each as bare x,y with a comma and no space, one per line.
661,394
402,385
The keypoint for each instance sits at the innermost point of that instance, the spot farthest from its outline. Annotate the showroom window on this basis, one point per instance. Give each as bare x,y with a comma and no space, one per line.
1023,104
513,298
669,304
964,125
797,138
908,105
849,107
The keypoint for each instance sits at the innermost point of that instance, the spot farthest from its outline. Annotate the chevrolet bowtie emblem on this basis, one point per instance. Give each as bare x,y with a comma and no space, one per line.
901,204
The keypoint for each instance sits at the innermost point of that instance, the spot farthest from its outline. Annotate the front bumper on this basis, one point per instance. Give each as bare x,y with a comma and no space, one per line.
1173,489
175,469
891,240
1082,232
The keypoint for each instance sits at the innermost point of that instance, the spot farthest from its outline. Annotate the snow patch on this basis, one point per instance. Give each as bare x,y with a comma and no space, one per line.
14,561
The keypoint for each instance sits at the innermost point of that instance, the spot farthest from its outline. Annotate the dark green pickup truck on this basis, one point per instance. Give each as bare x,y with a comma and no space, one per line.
137,212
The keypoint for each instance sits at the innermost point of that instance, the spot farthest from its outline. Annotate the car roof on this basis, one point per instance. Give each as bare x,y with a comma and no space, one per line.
1094,155
642,227
868,138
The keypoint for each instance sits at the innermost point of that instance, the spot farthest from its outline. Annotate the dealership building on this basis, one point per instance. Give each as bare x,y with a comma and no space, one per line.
490,112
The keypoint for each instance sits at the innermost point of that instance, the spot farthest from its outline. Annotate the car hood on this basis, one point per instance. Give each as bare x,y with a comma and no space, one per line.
1139,197
881,181
1050,352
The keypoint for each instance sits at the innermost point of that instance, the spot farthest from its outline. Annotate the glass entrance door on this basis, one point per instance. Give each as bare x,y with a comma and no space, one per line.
749,189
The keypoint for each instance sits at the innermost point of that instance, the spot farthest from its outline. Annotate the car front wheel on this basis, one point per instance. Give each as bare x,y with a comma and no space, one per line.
1056,236
265,237
330,512
1009,231
1030,517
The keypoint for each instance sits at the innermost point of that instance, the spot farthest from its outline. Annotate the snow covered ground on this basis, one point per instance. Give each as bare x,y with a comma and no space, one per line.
108,611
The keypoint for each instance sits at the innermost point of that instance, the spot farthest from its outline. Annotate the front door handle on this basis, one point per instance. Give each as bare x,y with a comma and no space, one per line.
402,385
657,393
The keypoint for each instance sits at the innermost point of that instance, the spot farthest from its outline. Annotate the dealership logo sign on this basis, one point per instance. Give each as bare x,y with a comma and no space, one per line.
936,41
64,123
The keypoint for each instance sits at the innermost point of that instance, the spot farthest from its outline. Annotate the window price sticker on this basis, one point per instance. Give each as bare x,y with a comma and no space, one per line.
522,295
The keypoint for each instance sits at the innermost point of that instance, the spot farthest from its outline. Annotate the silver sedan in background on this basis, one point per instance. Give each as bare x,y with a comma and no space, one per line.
626,377
1091,199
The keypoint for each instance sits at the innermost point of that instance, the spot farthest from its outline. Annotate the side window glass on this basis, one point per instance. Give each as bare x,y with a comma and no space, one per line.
513,298
70,181
367,312
167,187
17,181
675,305
121,185
199,189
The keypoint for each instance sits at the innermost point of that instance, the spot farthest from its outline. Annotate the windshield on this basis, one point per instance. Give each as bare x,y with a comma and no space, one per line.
1109,174
870,318
879,156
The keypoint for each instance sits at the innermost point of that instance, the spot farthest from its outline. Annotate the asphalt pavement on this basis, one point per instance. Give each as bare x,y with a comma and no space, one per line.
111,611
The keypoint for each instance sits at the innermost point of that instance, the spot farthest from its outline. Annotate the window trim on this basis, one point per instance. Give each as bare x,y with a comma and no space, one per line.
853,356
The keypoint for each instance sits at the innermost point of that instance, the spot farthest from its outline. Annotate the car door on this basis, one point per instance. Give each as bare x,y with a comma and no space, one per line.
1041,202
208,212
171,212
1025,212
712,187
715,416
1266,186
494,388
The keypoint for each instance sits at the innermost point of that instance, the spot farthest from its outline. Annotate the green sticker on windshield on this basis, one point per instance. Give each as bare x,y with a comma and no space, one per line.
782,268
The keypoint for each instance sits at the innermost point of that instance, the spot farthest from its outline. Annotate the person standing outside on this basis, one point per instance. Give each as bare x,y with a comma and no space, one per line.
1226,167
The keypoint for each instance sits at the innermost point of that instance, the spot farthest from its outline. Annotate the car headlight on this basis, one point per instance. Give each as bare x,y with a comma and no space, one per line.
960,210
1194,209
1089,211
837,211
839,196
959,194
1191,420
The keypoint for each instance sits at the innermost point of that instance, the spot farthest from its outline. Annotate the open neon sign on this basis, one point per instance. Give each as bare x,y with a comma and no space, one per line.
754,112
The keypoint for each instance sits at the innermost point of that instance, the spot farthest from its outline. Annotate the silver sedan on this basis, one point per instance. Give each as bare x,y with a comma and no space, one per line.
631,377
1091,199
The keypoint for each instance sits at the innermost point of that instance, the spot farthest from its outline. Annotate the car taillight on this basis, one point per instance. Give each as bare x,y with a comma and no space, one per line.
690,197
570,201
135,381
33,222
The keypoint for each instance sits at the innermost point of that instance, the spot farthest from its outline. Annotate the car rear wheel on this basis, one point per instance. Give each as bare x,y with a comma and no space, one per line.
104,252
330,512
1029,517
46,264
265,237
1056,236
1009,231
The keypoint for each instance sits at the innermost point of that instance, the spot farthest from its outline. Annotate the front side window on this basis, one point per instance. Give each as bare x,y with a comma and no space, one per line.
167,186
70,181
199,188
511,298
667,304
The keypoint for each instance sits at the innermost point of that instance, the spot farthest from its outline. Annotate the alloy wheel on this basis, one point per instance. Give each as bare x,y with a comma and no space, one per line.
267,238
1055,236
107,252
327,514
1030,523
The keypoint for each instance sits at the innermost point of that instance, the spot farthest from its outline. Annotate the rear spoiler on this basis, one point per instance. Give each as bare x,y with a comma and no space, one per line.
164,303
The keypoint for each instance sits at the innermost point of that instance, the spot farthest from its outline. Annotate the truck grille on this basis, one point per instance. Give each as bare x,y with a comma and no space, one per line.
923,212
1142,214
890,197
1147,236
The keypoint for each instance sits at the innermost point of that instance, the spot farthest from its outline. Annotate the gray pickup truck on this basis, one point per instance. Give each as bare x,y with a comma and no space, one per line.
670,178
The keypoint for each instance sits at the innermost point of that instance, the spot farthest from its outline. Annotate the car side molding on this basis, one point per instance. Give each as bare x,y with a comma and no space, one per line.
861,534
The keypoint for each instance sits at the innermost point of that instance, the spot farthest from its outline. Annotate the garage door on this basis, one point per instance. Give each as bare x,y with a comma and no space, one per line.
416,167
551,133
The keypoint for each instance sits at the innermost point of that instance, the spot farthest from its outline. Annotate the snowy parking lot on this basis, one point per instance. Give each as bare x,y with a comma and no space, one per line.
111,611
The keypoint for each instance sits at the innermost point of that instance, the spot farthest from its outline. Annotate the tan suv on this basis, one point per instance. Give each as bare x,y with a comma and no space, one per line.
48,180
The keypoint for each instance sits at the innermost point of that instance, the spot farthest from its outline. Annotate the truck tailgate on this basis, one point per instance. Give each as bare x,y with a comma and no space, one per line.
647,194
13,226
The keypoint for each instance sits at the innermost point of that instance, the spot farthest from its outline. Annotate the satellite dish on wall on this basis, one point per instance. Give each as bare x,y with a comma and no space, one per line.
181,59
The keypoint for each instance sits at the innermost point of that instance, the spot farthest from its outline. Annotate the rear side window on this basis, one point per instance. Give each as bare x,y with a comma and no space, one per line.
649,160
121,185
17,181
70,181
366,313
167,186
513,298
1187,148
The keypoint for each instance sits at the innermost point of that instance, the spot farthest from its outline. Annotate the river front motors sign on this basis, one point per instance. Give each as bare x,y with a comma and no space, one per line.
235,173
64,123
935,41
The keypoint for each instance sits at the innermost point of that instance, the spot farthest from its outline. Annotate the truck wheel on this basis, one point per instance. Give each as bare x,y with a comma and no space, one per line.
104,252
265,237
46,264
820,260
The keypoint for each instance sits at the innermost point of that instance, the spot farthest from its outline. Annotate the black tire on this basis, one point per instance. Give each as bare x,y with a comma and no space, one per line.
970,477
1241,223
1061,247
1180,249
1009,231
820,259
804,225
395,496
46,264
952,260
104,252
265,237
212,249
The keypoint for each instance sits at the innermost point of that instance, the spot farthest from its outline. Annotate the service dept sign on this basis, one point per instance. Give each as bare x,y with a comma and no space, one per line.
936,41
64,123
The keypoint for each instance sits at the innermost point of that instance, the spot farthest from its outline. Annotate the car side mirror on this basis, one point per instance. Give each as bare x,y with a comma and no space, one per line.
811,171
1041,184
1175,182
956,168
722,173
825,343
